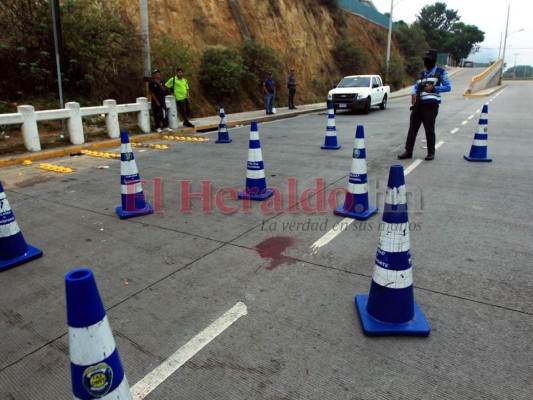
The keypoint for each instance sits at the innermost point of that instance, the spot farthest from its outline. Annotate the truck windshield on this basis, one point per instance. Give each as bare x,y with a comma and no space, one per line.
357,81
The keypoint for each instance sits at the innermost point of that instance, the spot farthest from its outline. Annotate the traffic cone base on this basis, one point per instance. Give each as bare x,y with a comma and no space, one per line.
325,147
354,214
129,214
417,326
224,141
31,254
486,159
265,194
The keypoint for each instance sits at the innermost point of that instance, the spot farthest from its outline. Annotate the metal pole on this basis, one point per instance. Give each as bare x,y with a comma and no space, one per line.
145,37
387,62
514,69
54,4
500,48
505,43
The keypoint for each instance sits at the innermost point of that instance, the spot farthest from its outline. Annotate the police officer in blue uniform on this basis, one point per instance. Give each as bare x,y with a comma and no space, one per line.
425,100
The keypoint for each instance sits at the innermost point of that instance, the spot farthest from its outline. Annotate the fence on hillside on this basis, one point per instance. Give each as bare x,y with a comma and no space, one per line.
27,118
367,12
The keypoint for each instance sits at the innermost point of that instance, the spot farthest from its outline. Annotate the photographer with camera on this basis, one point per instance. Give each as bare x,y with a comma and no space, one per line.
425,100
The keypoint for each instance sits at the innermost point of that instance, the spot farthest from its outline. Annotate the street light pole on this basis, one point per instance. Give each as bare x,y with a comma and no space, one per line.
387,62
504,43
514,69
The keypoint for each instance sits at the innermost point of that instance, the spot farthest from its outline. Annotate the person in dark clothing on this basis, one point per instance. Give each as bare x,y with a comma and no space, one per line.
269,87
291,85
425,100
159,106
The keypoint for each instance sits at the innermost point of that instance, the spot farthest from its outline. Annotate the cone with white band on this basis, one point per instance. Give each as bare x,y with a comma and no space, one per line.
330,142
95,366
356,199
478,151
256,186
390,308
223,135
13,248
132,195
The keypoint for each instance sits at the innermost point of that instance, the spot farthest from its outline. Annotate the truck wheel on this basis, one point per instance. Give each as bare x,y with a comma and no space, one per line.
383,104
366,110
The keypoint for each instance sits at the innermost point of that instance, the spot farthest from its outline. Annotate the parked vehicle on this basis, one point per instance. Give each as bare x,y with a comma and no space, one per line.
359,92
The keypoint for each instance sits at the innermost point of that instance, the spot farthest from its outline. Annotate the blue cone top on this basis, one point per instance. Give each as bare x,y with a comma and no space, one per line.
1,187
124,137
330,105
84,306
485,109
396,177
253,126
360,132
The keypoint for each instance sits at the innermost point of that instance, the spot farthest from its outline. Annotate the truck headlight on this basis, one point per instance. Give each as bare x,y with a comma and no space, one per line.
330,96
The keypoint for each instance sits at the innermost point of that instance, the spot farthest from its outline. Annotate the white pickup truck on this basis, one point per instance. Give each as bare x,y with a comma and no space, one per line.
359,92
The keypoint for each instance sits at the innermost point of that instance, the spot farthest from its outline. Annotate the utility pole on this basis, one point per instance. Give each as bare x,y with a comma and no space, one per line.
387,62
504,43
145,37
514,69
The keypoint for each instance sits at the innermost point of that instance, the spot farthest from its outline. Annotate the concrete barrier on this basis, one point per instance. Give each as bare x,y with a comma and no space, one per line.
488,78
27,118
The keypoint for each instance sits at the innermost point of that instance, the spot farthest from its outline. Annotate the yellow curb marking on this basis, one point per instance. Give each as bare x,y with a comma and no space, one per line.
55,168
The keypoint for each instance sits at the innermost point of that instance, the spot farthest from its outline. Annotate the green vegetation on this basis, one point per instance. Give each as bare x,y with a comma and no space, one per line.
350,58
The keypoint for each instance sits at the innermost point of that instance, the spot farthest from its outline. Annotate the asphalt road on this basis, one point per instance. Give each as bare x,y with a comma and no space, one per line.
165,278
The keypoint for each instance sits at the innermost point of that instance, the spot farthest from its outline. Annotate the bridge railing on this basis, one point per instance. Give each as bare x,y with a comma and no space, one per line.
27,118
488,78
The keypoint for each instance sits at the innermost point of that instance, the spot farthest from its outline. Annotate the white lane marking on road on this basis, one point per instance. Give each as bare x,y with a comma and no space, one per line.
440,143
472,116
342,225
464,122
146,385
453,131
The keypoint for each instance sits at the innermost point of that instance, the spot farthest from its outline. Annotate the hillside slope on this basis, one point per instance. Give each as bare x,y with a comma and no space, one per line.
302,32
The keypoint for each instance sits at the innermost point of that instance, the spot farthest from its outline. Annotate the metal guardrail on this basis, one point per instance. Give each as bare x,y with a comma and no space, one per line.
27,118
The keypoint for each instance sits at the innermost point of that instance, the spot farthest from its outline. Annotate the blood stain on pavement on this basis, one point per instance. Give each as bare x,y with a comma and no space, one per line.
273,249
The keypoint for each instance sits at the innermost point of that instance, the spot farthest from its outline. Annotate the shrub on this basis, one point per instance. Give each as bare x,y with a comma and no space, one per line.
349,57
221,73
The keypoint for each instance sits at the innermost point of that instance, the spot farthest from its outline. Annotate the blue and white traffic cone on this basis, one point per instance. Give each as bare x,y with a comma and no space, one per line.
356,200
478,151
256,187
223,135
132,195
95,365
390,308
331,132
13,248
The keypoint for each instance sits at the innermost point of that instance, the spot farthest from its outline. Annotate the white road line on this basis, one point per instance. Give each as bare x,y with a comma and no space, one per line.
440,143
341,226
454,131
472,116
464,122
329,236
146,385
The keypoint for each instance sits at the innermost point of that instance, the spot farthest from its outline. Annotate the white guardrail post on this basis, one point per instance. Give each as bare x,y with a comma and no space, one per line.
144,114
173,121
30,132
111,119
74,123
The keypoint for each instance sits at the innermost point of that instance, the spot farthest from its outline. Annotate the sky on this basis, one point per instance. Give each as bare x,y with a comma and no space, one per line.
489,16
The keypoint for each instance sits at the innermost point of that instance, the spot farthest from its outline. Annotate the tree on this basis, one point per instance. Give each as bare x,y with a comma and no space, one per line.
462,38
221,73
444,32
411,41
349,57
